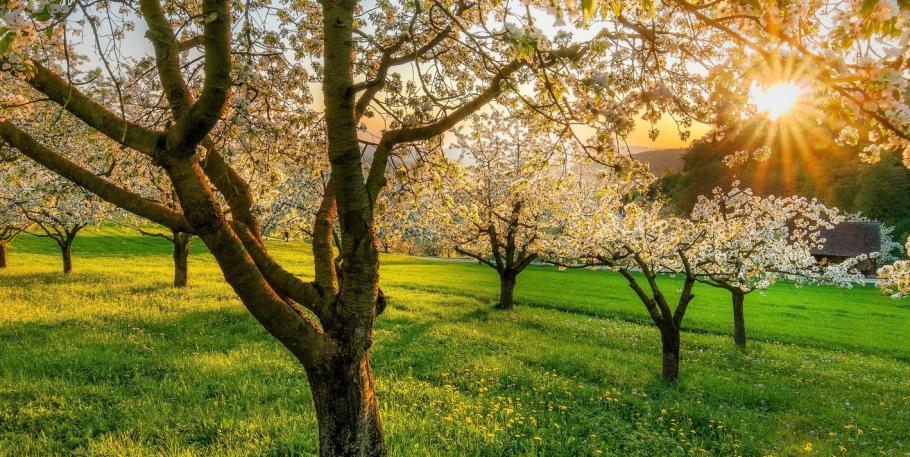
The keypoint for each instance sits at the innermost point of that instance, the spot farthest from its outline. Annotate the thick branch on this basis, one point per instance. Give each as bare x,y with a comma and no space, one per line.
91,112
282,280
232,186
101,187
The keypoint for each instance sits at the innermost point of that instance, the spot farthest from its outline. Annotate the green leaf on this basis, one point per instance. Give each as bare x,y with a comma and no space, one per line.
42,15
649,7
616,5
6,42
867,7
587,9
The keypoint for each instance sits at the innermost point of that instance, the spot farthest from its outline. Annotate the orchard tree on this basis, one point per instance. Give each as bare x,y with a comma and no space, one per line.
462,58
404,72
12,220
181,249
496,202
58,210
8,232
606,225
746,242
152,185
894,279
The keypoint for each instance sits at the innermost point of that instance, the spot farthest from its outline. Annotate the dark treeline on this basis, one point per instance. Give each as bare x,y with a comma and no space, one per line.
811,166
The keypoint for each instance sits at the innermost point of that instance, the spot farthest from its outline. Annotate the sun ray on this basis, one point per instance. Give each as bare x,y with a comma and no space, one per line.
777,99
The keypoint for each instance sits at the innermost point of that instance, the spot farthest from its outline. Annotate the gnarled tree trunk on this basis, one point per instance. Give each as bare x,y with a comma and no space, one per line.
181,257
346,408
739,321
2,254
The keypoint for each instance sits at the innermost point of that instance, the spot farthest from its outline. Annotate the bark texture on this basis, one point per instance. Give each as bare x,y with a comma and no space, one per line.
506,291
3,263
181,257
346,408
739,320
66,249
670,340
668,321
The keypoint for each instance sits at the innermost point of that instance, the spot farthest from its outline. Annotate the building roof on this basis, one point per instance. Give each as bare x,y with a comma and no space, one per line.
850,239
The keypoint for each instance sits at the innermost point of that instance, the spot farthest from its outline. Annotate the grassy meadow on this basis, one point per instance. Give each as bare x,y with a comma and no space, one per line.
111,361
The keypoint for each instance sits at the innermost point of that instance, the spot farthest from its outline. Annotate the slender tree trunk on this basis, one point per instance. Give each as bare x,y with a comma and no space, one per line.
506,291
347,410
739,322
66,248
181,256
670,349
2,254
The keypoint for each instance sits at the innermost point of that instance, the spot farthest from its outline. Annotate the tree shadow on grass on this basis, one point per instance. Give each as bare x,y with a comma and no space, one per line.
13,279
75,382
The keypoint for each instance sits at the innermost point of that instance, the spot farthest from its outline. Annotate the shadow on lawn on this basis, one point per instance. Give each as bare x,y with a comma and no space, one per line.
11,279
96,245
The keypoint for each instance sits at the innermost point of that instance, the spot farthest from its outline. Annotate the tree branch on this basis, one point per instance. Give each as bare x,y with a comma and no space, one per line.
108,191
92,113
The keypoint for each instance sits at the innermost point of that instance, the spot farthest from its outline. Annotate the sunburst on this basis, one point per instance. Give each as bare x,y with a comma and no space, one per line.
777,99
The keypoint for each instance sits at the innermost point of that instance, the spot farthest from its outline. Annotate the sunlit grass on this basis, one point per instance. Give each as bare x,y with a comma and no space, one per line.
111,361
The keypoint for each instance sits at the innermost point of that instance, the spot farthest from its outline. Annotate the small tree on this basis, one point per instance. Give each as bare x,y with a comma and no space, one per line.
629,234
500,199
181,242
58,210
746,243
153,186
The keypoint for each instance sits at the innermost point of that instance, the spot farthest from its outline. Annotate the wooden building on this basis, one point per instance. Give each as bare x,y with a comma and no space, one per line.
850,239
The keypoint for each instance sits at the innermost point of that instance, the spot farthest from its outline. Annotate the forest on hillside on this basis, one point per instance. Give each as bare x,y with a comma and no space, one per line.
810,166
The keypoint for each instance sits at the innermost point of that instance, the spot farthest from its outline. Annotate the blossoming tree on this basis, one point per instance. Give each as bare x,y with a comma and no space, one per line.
746,242
410,71
609,225
497,201
58,210
894,279
12,221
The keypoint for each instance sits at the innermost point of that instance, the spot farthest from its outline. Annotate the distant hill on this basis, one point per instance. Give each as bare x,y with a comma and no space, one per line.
662,161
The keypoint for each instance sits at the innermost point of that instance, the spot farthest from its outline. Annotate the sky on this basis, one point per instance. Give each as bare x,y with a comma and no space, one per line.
137,45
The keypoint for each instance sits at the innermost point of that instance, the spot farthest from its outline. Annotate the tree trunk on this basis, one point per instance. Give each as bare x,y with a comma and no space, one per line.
506,291
67,250
346,408
670,348
181,255
2,254
739,322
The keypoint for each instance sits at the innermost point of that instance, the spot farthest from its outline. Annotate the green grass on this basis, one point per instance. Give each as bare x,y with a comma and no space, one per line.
112,361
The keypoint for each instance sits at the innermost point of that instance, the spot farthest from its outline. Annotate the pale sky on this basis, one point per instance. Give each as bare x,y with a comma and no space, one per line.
136,45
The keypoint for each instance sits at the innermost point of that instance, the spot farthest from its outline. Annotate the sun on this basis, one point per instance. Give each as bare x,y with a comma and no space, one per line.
777,99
